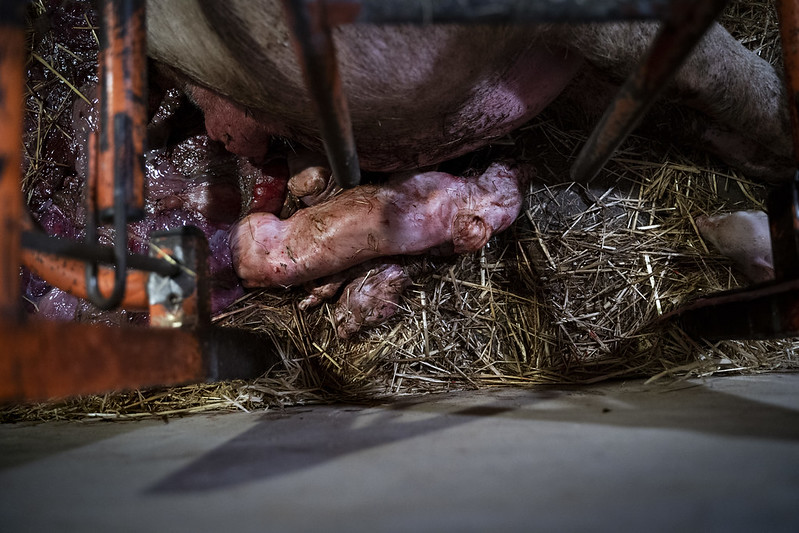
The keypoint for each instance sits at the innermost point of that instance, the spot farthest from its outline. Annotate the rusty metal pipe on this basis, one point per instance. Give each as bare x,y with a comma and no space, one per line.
316,53
783,217
36,240
69,275
681,31
783,203
43,360
767,311
12,82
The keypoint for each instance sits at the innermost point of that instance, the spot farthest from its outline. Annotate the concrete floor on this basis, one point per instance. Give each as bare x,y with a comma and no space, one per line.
714,455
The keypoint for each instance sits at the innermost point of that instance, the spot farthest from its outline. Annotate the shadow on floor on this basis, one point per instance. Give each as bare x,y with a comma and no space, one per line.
285,442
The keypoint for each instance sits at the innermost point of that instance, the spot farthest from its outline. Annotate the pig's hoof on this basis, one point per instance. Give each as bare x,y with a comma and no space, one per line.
318,293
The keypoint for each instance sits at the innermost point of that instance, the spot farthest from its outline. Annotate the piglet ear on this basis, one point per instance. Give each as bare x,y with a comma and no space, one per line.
470,232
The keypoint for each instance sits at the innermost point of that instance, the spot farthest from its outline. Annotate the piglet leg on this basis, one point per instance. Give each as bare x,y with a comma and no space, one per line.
411,214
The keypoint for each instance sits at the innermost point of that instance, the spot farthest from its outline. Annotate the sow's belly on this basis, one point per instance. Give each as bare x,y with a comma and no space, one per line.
489,109
417,95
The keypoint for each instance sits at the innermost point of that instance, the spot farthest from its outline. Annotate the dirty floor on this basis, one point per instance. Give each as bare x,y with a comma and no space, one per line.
719,454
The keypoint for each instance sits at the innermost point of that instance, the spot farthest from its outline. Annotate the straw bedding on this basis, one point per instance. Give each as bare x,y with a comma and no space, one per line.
568,295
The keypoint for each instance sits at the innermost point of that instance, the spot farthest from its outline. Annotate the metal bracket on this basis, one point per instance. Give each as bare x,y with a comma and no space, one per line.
182,300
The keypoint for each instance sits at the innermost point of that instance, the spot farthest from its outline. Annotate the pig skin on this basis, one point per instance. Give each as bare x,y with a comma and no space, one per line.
370,299
421,95
411,214
744,237
371,294
373,289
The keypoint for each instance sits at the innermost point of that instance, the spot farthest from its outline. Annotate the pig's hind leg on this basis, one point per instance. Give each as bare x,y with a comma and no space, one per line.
738,90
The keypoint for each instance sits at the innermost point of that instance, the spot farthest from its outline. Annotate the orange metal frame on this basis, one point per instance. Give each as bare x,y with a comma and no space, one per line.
41,359
12,67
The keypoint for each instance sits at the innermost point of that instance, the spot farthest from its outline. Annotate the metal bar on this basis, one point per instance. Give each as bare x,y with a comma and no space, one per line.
316,53
34,240
117,185
122,73
783,217
70,275
12,72
783,203
788,11
44,360
681,31
488,11
120,250
765,312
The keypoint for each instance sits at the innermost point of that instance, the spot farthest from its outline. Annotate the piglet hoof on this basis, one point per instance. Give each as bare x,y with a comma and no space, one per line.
310,182
744,237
